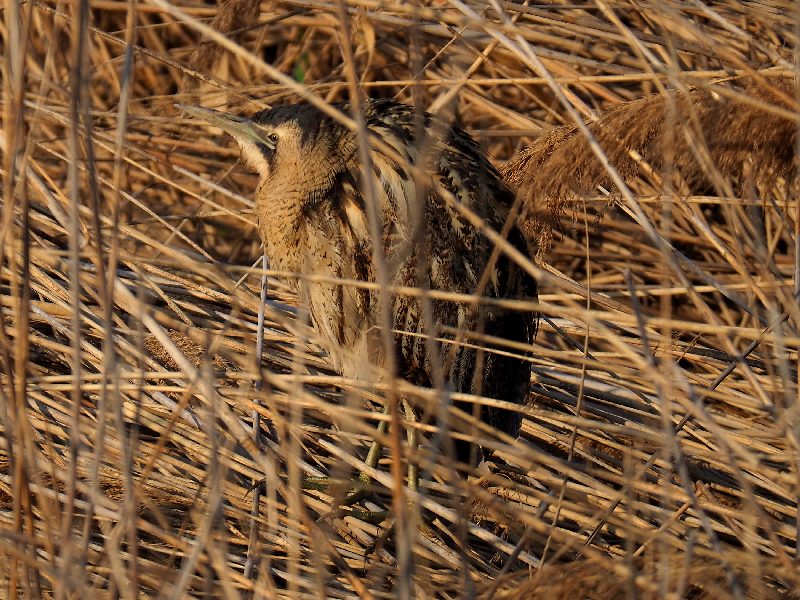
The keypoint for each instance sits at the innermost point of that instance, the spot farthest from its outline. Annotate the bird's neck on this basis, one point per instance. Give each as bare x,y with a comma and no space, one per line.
279,214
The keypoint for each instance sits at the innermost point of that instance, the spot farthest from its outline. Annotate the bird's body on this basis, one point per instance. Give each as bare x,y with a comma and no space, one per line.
312,214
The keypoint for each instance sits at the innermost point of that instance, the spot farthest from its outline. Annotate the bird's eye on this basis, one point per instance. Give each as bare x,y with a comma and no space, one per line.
273,137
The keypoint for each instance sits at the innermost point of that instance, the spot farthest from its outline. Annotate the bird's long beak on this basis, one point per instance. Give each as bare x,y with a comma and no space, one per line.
240,128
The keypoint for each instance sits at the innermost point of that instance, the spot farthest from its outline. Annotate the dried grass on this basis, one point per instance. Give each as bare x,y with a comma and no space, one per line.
658,456
697,142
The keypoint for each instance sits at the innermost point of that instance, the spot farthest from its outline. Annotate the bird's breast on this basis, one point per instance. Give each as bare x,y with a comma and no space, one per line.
342,314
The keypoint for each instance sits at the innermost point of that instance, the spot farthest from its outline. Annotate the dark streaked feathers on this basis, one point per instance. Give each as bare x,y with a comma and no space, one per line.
313,218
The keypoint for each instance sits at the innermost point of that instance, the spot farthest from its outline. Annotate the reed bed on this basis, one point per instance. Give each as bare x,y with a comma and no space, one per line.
161,432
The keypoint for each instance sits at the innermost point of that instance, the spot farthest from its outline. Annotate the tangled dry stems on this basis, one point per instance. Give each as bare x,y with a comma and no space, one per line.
658,455
697,142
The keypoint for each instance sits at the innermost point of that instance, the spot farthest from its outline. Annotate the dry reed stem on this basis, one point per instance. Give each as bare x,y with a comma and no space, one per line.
663,410
746,138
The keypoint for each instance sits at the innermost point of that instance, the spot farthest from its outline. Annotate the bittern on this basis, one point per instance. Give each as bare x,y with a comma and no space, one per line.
312,213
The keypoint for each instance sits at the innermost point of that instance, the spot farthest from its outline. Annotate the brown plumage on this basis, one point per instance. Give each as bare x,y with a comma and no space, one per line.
312,216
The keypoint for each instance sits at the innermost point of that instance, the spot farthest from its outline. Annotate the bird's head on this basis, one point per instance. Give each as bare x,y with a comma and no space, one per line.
294,142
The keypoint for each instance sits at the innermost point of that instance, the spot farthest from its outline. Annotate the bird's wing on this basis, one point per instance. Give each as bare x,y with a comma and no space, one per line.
428,243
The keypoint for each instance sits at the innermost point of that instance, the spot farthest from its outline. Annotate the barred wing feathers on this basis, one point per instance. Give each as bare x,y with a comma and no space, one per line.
428,243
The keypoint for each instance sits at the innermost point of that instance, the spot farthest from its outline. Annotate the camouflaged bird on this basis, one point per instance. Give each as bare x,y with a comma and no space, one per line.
313,220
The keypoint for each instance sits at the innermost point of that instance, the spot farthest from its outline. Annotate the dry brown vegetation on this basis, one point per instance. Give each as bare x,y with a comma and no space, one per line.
659,455
695,142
